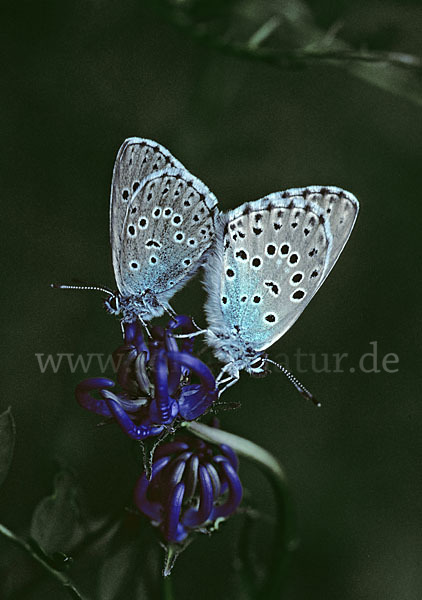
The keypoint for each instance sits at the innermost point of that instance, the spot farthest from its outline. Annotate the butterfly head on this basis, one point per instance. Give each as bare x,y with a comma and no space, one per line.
143,306
112,304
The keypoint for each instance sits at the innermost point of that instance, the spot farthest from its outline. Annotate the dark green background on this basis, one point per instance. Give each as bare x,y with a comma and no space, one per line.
83,76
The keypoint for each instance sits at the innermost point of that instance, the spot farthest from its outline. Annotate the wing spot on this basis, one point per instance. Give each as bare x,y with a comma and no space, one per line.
241,255
125,194
134,266
256,262
177,219
257,230
296,278
306,231
294,225
135,186
187,262
274,289
167,212
294,258
297,296
313,252
133,211
256,299
153,259
153,243
143,223
284,249
131,231
195,218
230,273
192,242
270,318
224,299
314,274
258,217
156,212
277,226
271,249
243,298
179,237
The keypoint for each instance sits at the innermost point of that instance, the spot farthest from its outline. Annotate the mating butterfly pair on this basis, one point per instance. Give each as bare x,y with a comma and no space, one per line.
263,261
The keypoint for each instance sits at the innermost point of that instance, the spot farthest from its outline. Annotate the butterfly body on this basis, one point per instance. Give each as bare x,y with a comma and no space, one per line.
161,226
269,259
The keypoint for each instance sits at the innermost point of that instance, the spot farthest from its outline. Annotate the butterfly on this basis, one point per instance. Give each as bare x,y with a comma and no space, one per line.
268,260
161,226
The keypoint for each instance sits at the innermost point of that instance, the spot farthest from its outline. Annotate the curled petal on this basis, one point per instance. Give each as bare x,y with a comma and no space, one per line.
86,400
231,455
194,401
124,372
196,517
182,321
170,448
141,372
153,510
175,474
130,330
173,532
174,367
133,336
215,479
125,422
171,414
197,366
234,495
161,388
191,476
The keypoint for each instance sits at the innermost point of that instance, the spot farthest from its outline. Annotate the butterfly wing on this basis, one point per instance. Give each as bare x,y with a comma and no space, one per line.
168,226
272,257
136,160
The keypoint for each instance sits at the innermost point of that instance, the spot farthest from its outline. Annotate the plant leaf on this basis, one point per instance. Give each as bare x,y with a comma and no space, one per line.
56,523
7,442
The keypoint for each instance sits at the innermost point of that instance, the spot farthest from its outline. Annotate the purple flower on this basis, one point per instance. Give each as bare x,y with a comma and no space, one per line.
193,483
155,381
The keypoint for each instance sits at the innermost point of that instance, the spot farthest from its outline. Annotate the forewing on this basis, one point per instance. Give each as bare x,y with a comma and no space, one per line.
340,208
277,253
169,225
137,158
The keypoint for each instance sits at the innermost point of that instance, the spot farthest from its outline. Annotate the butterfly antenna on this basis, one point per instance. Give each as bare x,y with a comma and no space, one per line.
300,388
97,288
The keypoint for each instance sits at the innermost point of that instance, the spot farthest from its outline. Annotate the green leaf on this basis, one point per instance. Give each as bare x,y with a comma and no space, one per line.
7,442
56,523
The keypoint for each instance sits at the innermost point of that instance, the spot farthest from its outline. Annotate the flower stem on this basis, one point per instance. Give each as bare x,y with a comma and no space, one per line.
167,589
61,577
275,474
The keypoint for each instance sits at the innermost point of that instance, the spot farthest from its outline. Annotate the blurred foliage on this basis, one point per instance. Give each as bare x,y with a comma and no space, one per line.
285,34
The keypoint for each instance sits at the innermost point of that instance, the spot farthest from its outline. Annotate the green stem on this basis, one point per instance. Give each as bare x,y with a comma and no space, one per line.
61,577
275,474
167,589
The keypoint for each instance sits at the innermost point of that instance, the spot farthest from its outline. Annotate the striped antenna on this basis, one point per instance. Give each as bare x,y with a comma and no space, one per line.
300,388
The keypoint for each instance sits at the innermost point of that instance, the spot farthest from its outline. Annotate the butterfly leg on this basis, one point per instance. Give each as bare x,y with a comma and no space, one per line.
228,382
